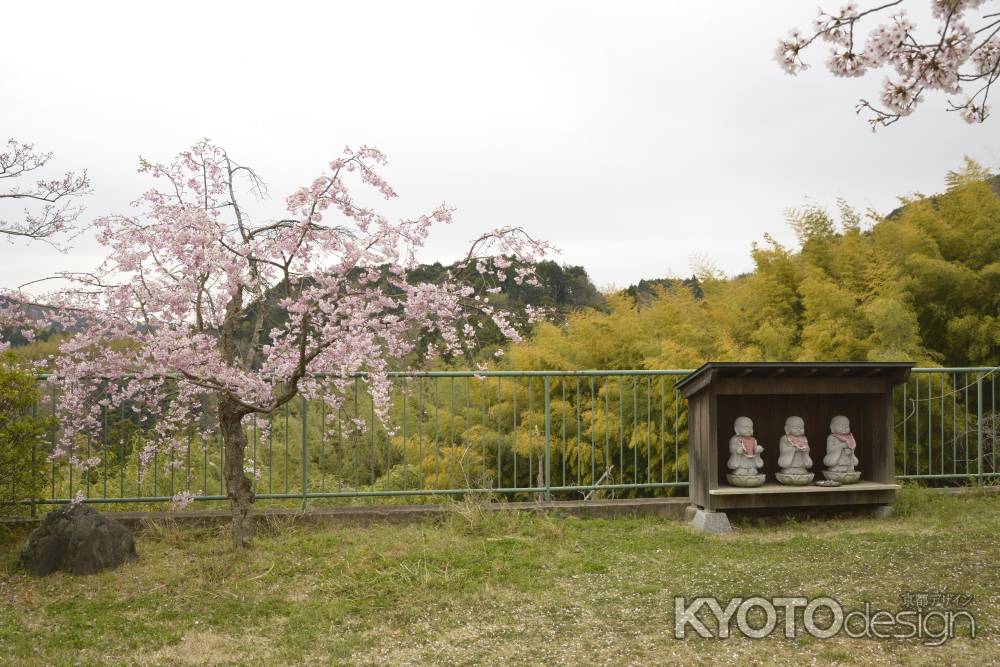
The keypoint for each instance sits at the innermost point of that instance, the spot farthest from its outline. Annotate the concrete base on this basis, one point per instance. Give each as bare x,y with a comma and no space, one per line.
706,521
666,508
882,511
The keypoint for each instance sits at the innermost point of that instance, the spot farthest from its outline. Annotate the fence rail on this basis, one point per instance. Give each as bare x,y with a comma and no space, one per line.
519,434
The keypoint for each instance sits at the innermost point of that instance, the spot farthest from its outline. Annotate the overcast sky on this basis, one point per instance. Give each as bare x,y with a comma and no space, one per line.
636,136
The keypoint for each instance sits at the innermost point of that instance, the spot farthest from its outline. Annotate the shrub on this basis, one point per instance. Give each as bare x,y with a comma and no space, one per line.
22,458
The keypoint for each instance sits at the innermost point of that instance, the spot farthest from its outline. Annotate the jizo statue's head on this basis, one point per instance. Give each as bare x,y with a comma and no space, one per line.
795,426
743,426
840,424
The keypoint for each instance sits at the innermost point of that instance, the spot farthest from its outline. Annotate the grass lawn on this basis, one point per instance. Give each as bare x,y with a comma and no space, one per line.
505,588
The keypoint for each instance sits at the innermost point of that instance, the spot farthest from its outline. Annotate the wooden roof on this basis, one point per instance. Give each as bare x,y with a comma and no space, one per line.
896,371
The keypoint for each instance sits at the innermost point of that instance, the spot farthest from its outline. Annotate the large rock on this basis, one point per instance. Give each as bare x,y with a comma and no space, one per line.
77,539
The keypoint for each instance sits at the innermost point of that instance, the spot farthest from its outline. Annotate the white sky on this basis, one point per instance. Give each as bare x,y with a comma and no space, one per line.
633,135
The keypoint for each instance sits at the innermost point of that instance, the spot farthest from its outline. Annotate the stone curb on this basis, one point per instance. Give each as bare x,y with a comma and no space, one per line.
667,508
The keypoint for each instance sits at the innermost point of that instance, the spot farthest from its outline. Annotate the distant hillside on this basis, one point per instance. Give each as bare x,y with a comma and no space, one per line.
561,289
12,333
560,286
645,290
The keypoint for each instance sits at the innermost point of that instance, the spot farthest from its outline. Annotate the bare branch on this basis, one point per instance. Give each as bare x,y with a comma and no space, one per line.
51,202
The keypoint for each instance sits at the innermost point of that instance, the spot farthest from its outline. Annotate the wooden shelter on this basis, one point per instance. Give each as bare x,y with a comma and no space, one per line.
768,393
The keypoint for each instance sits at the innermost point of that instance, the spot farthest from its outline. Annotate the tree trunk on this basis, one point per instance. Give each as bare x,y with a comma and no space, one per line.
238,487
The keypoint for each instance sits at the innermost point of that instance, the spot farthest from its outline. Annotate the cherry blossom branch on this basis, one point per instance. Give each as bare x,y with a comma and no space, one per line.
958,55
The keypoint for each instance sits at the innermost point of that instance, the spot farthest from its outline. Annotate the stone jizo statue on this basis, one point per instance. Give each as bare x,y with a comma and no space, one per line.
793,450
744,455
840,459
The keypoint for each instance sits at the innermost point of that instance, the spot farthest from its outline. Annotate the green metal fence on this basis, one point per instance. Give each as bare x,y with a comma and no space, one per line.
517,434
947,425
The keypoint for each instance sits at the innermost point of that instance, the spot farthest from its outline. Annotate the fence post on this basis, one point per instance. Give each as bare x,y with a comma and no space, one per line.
305,450
979,428
548,439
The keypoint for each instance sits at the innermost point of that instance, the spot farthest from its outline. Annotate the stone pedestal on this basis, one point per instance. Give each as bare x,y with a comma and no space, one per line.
746,480
842,477
706,521
794,478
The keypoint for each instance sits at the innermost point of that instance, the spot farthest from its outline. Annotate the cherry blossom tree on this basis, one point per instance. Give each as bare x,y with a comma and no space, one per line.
50,204
194,265
960,56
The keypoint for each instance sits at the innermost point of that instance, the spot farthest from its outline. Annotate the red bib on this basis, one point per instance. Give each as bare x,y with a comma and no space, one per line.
748,444
846,438
799,441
